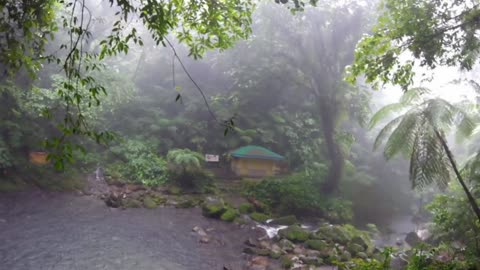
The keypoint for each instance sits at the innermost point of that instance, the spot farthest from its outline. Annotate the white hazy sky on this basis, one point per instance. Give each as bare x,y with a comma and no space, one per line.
441,86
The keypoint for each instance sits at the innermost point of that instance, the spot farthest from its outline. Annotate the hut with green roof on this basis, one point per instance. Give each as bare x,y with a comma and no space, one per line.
255,161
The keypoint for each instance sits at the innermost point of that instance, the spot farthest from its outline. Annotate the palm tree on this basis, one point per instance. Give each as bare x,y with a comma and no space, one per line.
419,134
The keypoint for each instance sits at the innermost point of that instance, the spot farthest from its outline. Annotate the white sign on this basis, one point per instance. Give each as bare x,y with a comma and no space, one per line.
212,158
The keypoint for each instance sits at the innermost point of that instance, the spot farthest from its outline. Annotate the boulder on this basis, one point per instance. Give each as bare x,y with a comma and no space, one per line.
286,261
229,215
275,254
246,208
256,251
298,250
286,245
148,202
362,255
265,244
259,217
360,241
174,190
294,233
132,203
251,242
314,253
201,232
213,207
355,248
398,263
204,239
259,263
316,244
346,256
332,233
412,239
285,220
311,260
185,204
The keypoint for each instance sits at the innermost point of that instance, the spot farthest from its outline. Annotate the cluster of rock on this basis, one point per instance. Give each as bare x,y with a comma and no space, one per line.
138,196
297,248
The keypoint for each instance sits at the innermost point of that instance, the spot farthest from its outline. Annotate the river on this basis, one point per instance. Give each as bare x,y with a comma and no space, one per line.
49,231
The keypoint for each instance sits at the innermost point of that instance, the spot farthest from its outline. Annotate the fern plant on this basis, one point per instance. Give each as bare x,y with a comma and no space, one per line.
419,134
186,168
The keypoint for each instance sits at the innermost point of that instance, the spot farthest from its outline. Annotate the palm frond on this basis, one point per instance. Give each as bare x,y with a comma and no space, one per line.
384,112
428,162
402,138
385,131
446,116
413,95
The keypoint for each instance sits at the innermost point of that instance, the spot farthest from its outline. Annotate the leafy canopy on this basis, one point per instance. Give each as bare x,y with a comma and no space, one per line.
434,32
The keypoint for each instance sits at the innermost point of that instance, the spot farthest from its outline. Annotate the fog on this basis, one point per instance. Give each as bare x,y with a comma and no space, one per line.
267,127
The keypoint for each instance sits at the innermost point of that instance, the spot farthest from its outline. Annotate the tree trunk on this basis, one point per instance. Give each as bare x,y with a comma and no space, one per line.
470,197
334,153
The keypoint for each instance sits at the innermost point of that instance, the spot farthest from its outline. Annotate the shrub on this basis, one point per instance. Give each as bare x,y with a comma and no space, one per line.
185,168
141,165
299,194
454,220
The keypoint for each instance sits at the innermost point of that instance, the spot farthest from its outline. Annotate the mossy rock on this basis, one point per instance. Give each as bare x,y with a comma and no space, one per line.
213,207
316,244
335,234
286,262
185,204
286,245
256,251
149,202
285,220
174,190
259,217
9,186
362,255
310,260
294,233
355,248
132,203
246,208
360,241
158,199
346,256
275,255
230,215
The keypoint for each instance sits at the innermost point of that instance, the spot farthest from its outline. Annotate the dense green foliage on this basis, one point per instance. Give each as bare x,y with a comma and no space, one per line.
434,32
186,168
453,220
297,194
139,164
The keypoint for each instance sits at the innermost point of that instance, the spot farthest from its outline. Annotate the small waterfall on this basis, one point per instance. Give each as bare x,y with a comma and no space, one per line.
99,176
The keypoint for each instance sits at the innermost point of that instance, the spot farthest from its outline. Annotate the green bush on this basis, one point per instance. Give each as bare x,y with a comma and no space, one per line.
141,164
186,169
453,220
424,258
299,194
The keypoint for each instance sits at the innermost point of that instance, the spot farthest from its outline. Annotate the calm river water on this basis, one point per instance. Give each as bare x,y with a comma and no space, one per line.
40,231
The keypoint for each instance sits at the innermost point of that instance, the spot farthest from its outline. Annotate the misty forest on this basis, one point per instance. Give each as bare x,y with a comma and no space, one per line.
239,134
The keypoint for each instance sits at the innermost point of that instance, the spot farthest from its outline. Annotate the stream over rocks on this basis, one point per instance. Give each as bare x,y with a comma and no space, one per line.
65,231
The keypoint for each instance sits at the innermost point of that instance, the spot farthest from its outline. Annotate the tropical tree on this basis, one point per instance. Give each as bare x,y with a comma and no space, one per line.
419,133
307,57
432,32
